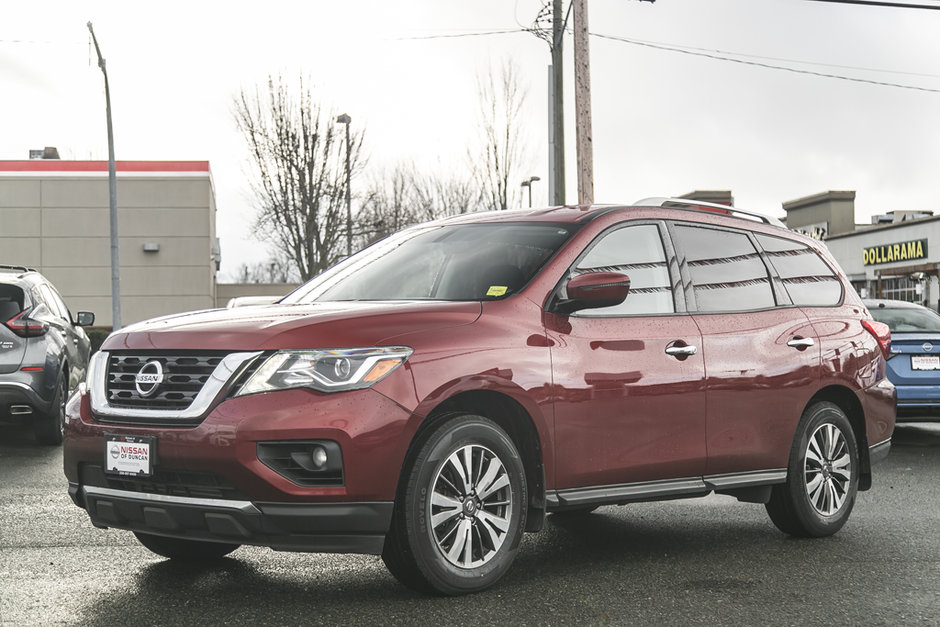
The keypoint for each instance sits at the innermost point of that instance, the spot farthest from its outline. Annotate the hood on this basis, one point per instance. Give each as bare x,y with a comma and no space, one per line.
318,325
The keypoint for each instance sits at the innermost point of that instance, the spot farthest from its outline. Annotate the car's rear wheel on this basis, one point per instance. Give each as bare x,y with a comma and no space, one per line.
461,510
49,427
822,477
185,550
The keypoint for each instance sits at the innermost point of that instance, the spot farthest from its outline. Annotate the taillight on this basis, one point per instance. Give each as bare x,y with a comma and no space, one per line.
24,326
881,332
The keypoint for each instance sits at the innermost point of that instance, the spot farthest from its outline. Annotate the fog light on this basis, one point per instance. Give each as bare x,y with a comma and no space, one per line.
304,462
319,457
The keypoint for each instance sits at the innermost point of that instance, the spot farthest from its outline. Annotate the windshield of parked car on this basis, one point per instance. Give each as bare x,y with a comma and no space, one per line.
441,262
907,320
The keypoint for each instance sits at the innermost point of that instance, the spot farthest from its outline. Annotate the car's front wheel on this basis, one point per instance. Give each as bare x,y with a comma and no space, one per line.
822,478
185,550
461,511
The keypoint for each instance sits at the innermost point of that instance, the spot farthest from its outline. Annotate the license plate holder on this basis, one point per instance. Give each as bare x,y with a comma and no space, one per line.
132,455
925,362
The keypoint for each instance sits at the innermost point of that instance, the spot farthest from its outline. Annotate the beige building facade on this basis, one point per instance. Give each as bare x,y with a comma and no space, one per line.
55,217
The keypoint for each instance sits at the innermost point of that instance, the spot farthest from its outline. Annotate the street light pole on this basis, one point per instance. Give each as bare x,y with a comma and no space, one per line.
112,197
528,183
346,120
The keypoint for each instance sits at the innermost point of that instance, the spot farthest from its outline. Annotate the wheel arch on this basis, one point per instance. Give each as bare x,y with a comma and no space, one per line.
512,418
848,402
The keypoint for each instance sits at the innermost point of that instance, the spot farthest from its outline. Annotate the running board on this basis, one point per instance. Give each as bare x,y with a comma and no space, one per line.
746,486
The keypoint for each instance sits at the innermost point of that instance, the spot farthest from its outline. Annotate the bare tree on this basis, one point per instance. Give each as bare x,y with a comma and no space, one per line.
405,197
502,97
298,161
277,269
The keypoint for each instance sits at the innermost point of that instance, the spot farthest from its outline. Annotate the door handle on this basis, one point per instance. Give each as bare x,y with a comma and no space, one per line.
681,351
801,343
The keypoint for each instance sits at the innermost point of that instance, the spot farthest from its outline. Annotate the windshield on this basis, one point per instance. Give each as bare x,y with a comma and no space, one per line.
907,320
441,262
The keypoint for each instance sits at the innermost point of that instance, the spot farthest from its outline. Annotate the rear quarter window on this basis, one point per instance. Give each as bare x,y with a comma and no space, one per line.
809,280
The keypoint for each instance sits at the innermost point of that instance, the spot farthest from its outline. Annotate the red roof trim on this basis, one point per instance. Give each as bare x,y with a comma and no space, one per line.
58,165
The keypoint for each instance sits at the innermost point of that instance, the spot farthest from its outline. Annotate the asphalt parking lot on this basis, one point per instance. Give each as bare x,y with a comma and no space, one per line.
706,561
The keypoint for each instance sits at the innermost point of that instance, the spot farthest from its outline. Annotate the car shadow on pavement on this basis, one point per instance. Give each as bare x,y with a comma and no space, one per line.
917,434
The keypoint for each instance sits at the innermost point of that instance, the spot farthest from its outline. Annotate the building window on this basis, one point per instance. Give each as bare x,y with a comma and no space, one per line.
900,288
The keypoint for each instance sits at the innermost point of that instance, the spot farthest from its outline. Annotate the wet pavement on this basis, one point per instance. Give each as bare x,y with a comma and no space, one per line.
707,561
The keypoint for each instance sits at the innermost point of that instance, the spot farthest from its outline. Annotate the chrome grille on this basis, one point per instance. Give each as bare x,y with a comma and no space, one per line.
184,375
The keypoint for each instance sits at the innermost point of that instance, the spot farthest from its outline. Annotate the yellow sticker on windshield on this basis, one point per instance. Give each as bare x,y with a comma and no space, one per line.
496,290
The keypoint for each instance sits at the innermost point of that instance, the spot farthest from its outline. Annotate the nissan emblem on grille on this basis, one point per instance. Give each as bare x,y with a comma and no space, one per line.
927,346
149,378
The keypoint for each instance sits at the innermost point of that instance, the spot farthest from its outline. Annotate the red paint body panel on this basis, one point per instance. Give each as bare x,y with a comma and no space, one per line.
625,411
757,386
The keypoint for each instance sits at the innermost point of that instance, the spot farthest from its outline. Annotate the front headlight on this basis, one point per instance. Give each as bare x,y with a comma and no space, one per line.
325,370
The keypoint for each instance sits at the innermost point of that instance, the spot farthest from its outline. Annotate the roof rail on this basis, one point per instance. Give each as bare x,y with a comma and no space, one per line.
697,205
20,268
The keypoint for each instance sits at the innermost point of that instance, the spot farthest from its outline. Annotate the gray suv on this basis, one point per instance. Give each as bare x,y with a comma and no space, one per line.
43,352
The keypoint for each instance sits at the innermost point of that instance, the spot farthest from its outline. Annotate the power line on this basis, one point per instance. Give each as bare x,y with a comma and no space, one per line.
785,60
770,66
881,3
34,41
507,31
720,55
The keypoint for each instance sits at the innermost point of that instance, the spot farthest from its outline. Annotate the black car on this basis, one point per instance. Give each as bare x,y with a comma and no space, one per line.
43,352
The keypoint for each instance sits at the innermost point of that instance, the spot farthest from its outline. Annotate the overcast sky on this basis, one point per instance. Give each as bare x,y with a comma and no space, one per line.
665,122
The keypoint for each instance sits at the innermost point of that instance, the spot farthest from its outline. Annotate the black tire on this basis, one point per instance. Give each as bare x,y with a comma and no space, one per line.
822,476
452,536
49,427
185,550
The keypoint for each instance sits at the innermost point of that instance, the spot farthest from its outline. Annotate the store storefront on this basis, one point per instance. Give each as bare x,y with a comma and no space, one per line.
897,257
893,261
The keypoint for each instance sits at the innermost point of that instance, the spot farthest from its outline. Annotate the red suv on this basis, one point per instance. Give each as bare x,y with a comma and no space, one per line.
434,396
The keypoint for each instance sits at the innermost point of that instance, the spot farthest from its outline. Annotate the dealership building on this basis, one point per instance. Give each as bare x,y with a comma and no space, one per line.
896,256
55,218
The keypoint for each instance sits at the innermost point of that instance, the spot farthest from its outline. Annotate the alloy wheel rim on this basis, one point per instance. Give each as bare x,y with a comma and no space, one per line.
471,506
827,470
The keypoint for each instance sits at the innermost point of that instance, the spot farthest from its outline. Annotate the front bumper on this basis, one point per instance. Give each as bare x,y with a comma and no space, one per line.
209,484
314,527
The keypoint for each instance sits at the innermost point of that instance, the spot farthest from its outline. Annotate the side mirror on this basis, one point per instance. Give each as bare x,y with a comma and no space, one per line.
85,319
593,291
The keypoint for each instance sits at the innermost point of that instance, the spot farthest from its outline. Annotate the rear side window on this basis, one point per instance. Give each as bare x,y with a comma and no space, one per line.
726,270
636,251
807,278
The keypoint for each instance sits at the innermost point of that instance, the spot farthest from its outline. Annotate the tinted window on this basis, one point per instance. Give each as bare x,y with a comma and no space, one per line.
806,277
727,271
636,251
450,262
907,320
11,301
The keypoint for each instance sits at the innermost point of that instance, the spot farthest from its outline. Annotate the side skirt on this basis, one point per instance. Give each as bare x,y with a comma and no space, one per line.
751,487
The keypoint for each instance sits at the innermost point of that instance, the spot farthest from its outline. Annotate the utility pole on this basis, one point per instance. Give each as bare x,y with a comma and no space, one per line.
582,104
112,197
557,96
345,120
